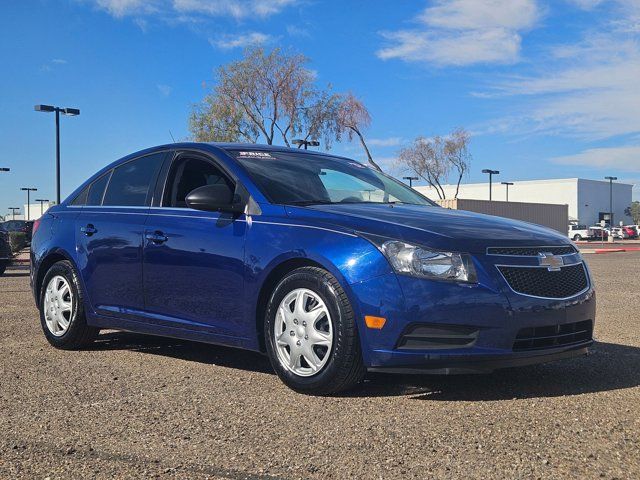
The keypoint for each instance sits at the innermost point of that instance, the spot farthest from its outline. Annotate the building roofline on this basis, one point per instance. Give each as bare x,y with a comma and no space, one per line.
548,180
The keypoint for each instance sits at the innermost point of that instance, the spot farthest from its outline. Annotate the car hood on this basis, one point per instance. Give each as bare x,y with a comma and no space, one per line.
436,227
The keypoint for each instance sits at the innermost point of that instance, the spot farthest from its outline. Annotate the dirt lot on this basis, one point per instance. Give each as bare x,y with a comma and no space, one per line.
138,406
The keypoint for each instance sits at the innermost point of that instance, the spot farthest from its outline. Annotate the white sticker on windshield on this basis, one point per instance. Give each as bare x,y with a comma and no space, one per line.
255,154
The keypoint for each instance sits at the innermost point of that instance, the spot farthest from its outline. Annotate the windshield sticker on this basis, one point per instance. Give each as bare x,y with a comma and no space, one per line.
255,154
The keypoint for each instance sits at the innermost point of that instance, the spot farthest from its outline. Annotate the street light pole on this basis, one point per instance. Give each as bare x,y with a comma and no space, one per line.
491,174
506,184
305,143
57,110
611,179
28,190
13,211
411,179
42,200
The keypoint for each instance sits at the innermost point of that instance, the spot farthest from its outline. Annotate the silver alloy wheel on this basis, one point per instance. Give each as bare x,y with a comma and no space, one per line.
303,332
58,305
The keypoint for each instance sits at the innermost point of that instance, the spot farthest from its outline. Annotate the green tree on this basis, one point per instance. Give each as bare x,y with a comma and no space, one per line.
633,211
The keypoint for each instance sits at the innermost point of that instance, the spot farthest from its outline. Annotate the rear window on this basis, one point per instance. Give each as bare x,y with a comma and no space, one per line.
130,183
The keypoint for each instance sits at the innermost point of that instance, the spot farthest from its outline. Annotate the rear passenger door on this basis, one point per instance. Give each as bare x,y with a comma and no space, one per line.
109,235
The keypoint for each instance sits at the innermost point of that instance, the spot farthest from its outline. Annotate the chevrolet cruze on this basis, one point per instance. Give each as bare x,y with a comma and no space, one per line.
329,267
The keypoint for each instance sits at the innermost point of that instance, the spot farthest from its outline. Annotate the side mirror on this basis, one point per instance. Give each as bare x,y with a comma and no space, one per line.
214,198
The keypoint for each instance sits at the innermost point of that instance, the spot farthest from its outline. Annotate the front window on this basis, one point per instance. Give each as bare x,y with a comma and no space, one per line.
294,178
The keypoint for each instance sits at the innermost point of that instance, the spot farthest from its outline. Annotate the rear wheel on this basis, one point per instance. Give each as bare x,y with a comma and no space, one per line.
62,309
311,335
577,237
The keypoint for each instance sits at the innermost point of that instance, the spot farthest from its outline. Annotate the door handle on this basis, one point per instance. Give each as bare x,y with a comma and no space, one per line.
156,237
88,230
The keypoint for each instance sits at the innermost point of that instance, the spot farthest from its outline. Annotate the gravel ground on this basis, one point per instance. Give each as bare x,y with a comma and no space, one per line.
136,406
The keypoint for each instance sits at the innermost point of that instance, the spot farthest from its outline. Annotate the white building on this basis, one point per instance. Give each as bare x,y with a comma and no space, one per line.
35,210
588,200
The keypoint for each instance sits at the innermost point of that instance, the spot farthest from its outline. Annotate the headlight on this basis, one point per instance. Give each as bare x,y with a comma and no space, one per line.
421,262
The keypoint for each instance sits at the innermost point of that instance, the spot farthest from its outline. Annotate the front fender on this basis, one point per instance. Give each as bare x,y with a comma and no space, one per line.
272,242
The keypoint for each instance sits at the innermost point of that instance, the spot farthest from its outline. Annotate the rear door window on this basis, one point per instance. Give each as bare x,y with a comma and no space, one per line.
131,184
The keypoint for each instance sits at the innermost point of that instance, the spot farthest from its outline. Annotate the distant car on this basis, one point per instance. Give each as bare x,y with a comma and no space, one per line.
5,251
599,233
631,230
19,226
619,233
582,232
579,232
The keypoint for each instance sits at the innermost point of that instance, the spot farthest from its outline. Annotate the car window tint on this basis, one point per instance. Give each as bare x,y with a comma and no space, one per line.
96,190
81,198
130,183
186,175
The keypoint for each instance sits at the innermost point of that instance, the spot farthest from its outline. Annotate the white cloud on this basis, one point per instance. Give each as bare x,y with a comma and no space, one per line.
209,8
227,42
625,158
122,8
51,64
165,90
589,91
465,32
385,142
586,4
295,31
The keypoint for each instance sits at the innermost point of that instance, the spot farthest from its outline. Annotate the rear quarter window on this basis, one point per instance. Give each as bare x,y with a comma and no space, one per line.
96,190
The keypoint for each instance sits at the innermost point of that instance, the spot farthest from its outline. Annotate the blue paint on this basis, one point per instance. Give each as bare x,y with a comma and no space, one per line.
202,281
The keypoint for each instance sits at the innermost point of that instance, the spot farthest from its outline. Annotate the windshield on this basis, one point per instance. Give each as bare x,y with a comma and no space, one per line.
294,178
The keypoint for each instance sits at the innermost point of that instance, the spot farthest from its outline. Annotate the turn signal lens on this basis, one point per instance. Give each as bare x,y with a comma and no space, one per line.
374,322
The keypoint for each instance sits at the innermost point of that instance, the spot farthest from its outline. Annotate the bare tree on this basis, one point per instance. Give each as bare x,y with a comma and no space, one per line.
353,117
435,159
458,155
261,95
270,95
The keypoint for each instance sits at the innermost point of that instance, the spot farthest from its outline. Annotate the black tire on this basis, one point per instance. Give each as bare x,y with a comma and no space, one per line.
3,266
344,369
577,238
78,334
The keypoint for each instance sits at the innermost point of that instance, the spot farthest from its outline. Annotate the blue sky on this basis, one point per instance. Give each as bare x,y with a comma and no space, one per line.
547,88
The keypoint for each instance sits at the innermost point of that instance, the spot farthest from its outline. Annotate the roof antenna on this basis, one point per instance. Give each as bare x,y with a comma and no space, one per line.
174,140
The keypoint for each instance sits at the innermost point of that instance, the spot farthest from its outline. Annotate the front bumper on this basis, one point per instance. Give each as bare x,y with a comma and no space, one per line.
477,363
482,323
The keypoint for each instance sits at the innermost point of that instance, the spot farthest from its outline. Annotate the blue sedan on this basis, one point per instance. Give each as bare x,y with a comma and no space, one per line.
328,266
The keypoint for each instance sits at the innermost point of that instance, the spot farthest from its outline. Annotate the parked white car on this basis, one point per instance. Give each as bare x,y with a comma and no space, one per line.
579,232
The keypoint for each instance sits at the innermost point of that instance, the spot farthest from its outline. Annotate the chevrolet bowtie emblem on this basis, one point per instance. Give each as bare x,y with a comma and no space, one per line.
551,261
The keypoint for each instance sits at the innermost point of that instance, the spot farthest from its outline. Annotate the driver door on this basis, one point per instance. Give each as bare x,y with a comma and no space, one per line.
193,260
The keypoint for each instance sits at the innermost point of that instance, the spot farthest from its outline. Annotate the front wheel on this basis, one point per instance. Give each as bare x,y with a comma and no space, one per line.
311,334
62,309
577,238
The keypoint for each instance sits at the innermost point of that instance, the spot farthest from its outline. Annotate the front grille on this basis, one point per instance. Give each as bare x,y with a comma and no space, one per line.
540,282
434,336
534,338
531,251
